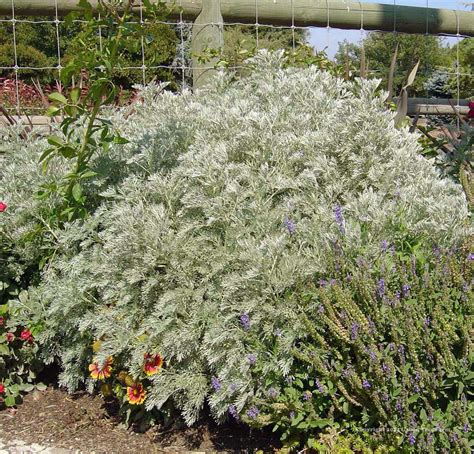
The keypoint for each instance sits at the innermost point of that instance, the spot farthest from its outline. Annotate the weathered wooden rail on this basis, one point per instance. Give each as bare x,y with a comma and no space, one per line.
209,17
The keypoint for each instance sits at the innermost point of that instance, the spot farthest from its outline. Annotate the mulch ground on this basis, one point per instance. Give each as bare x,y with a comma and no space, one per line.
84,422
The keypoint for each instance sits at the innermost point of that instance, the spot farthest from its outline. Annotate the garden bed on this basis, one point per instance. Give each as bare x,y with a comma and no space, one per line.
54,418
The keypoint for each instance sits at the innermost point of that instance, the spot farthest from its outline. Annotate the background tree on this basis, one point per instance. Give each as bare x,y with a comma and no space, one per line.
380,47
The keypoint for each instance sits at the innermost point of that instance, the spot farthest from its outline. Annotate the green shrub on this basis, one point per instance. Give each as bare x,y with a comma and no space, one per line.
385,349
205,227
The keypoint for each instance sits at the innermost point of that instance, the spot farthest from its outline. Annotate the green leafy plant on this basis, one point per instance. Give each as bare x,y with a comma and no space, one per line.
385,349
19,363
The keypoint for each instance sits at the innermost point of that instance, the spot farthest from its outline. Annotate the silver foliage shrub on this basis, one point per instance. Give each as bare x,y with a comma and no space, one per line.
221,202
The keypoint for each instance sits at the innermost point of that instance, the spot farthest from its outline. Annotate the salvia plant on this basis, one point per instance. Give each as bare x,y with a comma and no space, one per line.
207,235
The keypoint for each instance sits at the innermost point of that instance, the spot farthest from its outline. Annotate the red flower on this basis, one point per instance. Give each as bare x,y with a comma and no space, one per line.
153,364
26,336
136,394
10,337
2,321
2,388
471,110
101,371
3,207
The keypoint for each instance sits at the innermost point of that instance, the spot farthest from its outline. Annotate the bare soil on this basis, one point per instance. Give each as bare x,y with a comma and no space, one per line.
87,423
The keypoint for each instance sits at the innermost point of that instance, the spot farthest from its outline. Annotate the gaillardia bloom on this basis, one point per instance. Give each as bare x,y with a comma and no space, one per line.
136,394
101,372
153,364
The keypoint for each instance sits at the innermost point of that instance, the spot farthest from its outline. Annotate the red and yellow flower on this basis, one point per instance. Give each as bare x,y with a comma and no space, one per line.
101,371
136,394
153,364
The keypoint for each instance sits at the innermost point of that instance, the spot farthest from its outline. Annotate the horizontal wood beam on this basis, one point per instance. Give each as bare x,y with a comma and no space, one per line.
436,106
301,13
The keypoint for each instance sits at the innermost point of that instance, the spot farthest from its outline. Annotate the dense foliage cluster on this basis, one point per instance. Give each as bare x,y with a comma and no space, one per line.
264,246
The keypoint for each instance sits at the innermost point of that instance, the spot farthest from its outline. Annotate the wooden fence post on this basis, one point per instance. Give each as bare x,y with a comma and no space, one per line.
207,42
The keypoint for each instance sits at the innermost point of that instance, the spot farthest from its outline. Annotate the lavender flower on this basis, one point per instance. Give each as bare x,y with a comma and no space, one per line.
405,290
216,384
233,412
307,395
385,368
381,288
321,309
252,359
347,371
323,283
245,321
319,386
470,257
427,321
466,427
292,415
371,325
272,393
354,330
233,387
366,384
290,226
253,412
373,355
384,246
339,219
411,438
398,406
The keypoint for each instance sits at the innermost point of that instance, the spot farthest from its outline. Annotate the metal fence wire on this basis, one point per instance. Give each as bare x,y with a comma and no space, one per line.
181,66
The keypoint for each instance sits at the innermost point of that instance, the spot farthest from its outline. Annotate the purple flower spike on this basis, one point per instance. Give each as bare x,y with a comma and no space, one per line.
339,219
290,226
411,438
319,386
272,393
216,384
252,359
470,257
354,331
381,288
406,289
307,395
366,384
253,412
245,321
384,246
233,412
427,321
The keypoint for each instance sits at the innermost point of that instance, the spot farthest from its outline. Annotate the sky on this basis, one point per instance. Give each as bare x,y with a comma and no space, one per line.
324,38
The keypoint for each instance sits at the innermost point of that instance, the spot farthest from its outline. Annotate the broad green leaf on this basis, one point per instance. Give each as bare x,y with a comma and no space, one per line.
58,97
46,153
75,95
51,111
10,401
120,140
55,140
77,192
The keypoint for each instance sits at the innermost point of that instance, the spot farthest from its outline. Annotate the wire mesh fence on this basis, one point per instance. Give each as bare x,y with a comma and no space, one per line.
34,49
